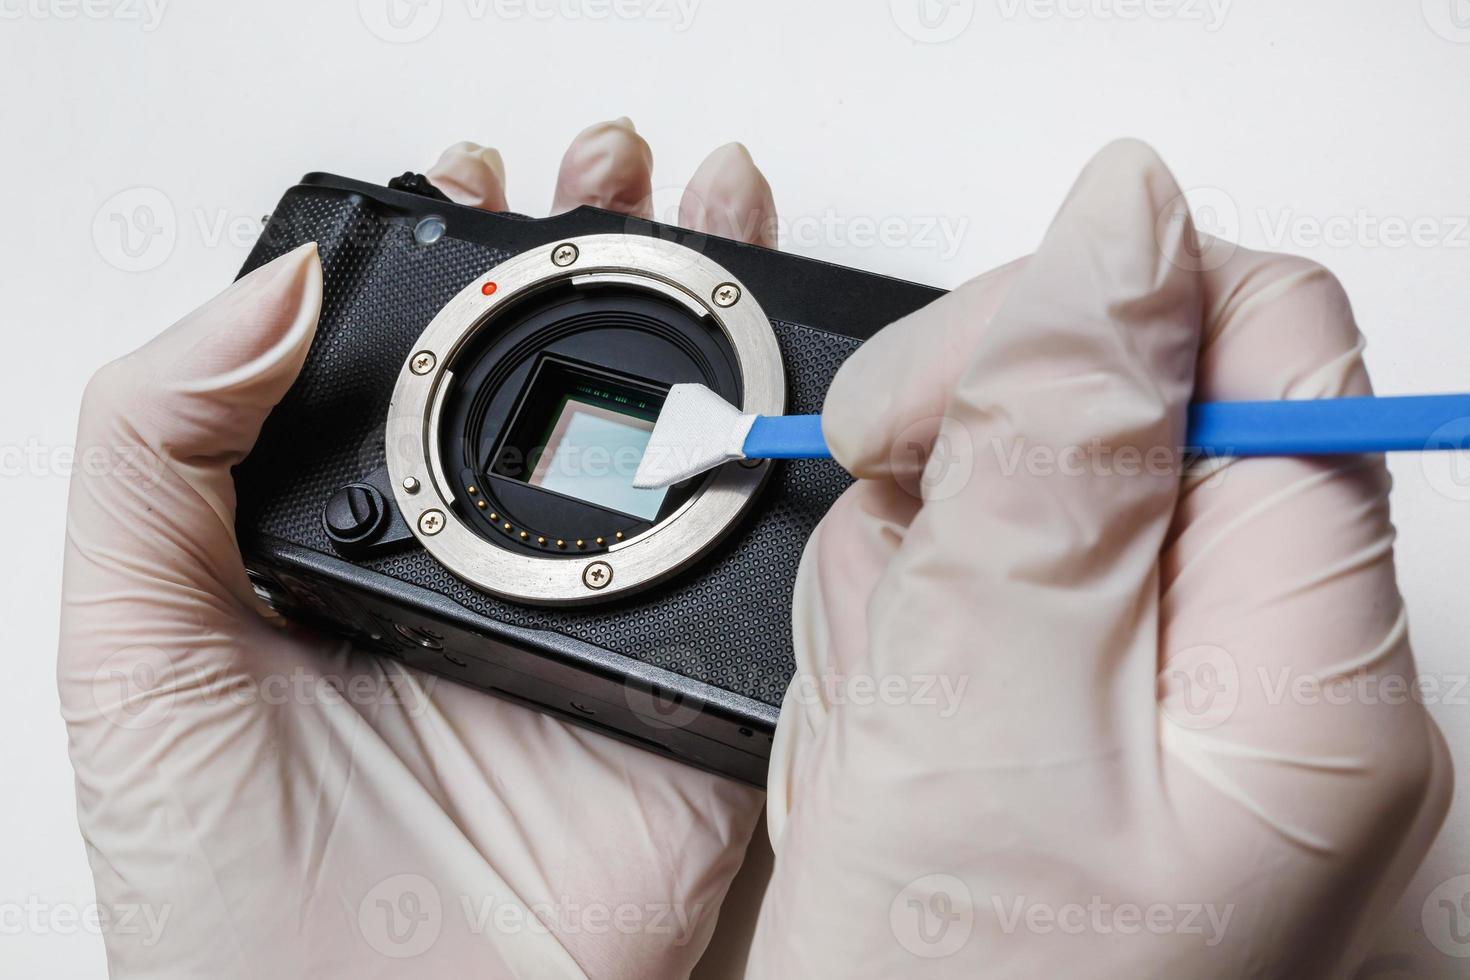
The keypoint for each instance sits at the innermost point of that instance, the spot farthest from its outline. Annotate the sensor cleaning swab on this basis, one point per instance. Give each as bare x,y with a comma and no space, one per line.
698,430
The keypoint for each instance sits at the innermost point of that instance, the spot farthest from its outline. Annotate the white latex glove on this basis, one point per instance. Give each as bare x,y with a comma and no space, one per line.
242,819
1113,782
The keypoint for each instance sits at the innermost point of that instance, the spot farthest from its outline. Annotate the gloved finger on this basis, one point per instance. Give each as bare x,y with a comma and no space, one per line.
1284,652
1034,570
844,560
729,196
884,409
608,166
151,547
471,174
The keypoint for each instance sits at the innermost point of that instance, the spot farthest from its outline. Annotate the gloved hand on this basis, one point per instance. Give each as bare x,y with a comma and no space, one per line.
258,800
1060,711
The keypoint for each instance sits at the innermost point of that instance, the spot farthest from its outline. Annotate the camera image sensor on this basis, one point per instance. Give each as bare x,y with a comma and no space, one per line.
592,448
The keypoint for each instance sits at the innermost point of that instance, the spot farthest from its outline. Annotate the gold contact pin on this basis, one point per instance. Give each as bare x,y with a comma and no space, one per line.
524,535
471,489
581,543
480,504
494,516
599,541
505,526
619,535
540,540
560,543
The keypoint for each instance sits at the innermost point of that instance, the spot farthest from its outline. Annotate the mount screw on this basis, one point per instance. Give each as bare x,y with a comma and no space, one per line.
422,363
597,575
564,254
726,294
431,522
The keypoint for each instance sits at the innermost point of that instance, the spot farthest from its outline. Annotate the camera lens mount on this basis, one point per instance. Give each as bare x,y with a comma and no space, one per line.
519,415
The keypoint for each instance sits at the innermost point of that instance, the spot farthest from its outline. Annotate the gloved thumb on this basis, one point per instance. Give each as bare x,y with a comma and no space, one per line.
152,499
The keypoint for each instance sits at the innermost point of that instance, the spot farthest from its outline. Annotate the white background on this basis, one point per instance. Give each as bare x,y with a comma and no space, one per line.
1291,123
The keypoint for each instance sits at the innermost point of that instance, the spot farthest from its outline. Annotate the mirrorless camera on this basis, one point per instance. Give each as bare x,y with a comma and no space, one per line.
449,481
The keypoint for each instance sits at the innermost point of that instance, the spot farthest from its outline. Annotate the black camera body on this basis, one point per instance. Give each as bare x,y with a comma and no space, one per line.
425,500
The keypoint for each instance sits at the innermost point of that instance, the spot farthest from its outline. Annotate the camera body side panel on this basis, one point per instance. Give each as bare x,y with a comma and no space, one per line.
695,667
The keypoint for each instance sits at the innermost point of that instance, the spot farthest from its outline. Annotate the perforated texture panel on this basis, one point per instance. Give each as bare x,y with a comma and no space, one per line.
726,622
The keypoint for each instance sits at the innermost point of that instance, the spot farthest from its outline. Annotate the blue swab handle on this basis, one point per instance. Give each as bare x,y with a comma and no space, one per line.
786,437
1328,426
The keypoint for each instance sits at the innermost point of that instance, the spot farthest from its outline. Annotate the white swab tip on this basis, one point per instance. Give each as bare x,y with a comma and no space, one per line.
696,431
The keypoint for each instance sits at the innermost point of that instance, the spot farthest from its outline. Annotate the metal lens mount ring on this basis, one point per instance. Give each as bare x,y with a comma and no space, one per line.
426,498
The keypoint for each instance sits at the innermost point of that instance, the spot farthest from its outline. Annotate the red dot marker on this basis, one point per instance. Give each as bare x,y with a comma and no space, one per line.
488,289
